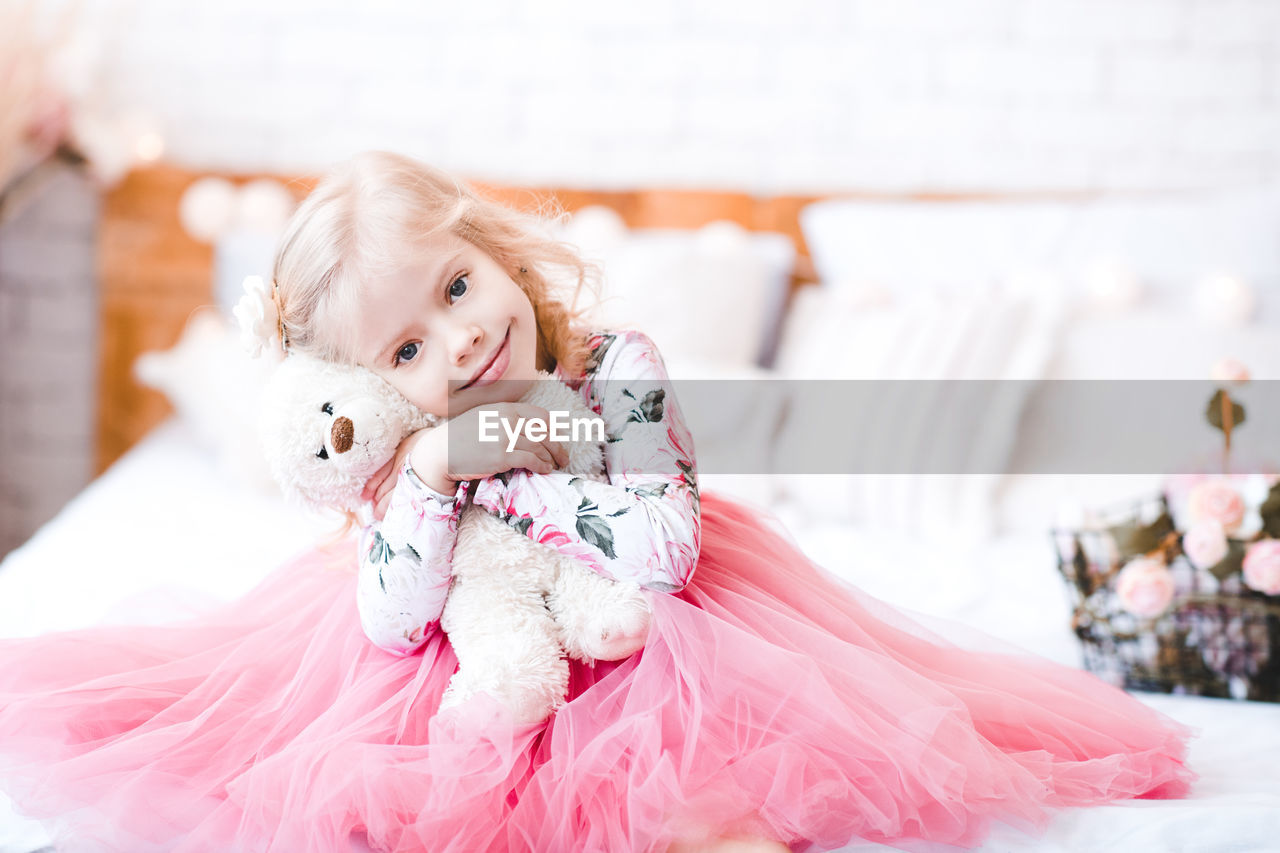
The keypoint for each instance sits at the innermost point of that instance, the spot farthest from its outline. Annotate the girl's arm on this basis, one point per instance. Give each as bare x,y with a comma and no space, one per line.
643,525
405,565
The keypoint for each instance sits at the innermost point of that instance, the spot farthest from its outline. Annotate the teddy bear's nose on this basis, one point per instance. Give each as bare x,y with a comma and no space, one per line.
343,435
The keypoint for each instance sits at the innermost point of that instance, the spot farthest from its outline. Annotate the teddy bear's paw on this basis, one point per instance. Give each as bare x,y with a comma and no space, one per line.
534,689
523,707
618,645
530,688
622,639
533,707
615,629
458,692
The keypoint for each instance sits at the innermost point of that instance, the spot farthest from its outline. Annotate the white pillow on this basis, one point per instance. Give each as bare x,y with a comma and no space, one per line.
215,388
1168,240
1162,337
714,294
1161,341
947,337
929,245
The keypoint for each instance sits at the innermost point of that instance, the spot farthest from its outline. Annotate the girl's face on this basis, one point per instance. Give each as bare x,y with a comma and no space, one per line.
446,328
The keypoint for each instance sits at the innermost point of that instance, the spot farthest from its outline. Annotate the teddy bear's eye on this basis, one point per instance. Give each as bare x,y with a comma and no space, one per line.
327,408
323,454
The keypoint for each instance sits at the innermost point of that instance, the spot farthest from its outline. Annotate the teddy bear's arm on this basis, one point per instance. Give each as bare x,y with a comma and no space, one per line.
405,566
643,525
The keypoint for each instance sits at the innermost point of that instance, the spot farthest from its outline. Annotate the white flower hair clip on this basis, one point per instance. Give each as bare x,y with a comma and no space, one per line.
258,313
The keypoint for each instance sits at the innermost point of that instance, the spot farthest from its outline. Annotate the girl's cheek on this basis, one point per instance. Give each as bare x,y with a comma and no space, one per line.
435,402
399,381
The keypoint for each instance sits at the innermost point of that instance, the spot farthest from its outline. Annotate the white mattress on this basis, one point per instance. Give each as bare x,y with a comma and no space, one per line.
164,531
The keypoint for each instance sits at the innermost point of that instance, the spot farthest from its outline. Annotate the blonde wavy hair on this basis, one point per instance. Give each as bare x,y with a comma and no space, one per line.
367,218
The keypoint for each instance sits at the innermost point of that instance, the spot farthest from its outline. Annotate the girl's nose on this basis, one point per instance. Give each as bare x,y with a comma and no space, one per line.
469,338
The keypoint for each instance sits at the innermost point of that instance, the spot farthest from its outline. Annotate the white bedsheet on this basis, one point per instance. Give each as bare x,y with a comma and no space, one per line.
164,523
163,532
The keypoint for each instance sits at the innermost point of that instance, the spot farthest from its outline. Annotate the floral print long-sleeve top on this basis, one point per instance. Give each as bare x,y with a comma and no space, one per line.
642,525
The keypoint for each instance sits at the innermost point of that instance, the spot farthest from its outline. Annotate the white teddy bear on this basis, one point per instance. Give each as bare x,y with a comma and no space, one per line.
515,606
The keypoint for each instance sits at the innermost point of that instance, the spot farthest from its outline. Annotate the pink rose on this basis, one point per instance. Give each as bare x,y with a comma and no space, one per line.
1229,370
1216,500
554,537
1262,566
1205,544
1145,587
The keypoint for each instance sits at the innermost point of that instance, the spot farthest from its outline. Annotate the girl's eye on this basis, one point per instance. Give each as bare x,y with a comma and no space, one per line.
324,453
327,408
458,288
408,352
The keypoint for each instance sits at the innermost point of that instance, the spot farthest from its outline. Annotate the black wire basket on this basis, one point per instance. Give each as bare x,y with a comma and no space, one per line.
1217,637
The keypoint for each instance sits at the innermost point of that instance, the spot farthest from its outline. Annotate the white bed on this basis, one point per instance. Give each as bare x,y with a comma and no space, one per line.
173,526
165,529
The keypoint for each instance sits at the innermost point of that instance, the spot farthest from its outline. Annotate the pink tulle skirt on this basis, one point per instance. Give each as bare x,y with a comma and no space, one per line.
772,700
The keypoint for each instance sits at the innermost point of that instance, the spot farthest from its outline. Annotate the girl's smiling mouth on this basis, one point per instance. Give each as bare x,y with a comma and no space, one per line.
495,367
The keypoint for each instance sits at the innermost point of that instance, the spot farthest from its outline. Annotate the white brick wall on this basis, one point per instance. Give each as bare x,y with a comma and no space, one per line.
48,351
818,95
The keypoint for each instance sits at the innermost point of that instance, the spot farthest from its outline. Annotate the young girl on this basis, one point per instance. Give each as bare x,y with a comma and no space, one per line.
771,704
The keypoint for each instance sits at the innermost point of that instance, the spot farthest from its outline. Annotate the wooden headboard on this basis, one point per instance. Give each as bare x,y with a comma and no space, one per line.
153,275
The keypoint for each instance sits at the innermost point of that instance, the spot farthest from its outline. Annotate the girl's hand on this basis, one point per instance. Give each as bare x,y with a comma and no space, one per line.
379,486
451,452
460,454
